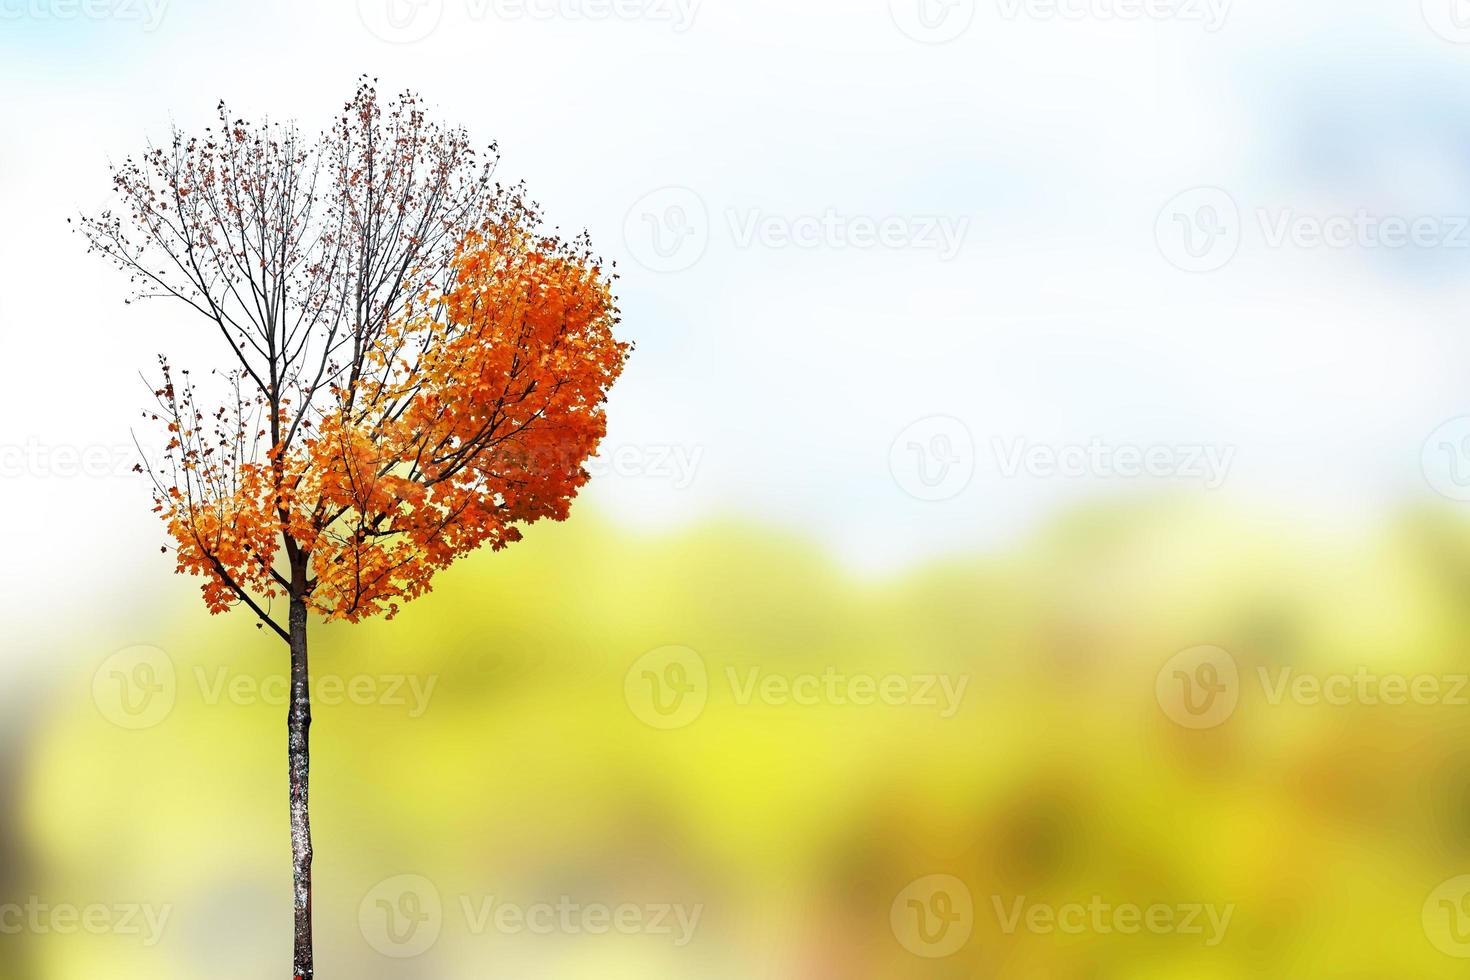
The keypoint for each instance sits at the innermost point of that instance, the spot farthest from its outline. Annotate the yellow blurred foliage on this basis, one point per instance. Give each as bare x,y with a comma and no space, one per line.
971,769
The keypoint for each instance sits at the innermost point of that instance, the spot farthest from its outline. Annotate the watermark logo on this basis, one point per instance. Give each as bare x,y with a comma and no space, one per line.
1206,464
667,230
1199,687
1446,917
932,21
1450,19
933,917
668,687
139,687
42,461
1445,459
1363,686
144,922
409,692
410,21
401,21
933,459
836,230
402,917
1210,14
1098,916
136,687
1362,229
670,229
148,13
678,13
569,917
944,693
677,465
1199,230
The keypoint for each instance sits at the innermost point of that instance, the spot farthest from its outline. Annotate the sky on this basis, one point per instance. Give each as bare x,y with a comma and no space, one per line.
911,277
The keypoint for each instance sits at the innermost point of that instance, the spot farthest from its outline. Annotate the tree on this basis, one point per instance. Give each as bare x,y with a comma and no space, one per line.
418,369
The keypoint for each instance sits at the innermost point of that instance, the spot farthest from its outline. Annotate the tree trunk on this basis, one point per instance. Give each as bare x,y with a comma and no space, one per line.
299,728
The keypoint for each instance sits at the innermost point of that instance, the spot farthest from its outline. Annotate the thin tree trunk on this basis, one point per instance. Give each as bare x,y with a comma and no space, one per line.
299,729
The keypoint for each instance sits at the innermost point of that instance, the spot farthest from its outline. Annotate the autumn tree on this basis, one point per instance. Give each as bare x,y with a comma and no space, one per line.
417,368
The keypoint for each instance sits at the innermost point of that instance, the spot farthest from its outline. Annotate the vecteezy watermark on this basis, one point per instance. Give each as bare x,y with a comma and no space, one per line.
1445,459
933,917
669,230
411,692
675,464
1364,686
39,460
1208,922
669,687
1207,464
401,21
1210,14
1362,229
933,459
678,14
942,692
147,13
1450,19
1199,687
932,21
1201,230
138,687
1202,686
144,922
409,21
1446,917
942,234
403,917
569,917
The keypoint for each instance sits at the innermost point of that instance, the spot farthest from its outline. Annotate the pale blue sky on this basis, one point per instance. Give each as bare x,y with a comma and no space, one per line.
783,373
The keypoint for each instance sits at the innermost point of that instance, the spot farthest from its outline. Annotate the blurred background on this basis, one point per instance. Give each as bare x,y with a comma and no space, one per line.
1031,538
